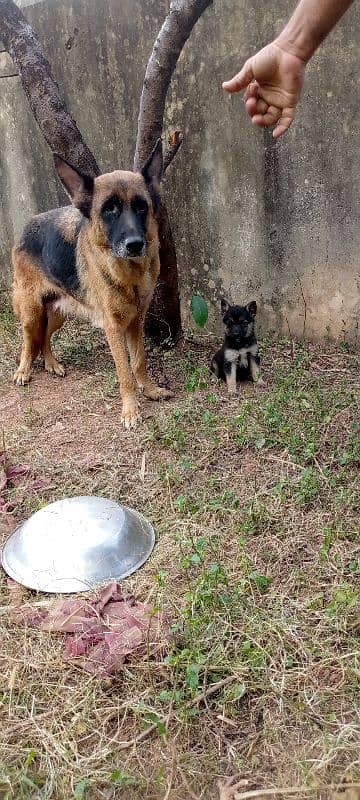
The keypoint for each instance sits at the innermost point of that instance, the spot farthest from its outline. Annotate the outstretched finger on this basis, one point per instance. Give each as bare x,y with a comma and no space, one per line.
241,80
283,125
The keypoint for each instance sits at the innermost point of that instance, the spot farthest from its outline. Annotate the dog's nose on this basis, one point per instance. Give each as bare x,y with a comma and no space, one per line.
134,245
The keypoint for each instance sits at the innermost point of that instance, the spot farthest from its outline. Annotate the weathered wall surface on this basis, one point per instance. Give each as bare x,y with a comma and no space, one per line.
252,218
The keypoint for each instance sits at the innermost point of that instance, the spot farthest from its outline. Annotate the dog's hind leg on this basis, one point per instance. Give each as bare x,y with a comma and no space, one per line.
55,320
33,322
136,347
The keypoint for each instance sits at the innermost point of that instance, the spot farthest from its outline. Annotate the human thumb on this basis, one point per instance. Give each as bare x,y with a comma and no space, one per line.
241,80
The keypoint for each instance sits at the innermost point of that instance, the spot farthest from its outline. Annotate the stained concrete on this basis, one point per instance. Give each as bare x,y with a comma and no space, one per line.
253,218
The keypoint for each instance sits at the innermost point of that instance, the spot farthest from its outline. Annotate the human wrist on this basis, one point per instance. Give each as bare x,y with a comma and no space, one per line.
296,41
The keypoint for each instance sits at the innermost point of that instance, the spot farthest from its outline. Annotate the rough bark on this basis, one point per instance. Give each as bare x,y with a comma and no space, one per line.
172,37
46,101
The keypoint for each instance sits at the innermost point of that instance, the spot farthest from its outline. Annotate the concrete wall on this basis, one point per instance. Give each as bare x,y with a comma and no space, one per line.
252,218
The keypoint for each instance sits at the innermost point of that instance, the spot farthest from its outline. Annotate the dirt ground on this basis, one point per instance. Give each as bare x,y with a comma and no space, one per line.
255,504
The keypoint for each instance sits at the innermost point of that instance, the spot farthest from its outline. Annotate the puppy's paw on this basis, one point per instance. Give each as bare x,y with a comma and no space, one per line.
260,382
130,415
153,392
22,376
232,391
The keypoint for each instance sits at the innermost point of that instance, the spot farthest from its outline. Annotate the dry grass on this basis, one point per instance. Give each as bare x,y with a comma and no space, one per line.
257,558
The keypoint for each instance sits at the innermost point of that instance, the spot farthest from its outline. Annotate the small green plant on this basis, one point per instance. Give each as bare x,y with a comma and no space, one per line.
80,790
261,581
344,598
186,504
197,380
329,538
121,778
307,487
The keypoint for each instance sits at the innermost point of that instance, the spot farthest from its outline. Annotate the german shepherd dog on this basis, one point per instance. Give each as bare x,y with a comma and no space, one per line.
97,258
238,359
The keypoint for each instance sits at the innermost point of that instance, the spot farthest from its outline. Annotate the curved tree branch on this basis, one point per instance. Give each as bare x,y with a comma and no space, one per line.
174,33
46,101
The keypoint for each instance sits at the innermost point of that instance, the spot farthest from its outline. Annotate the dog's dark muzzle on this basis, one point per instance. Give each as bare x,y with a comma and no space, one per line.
135,246
239,331
132,247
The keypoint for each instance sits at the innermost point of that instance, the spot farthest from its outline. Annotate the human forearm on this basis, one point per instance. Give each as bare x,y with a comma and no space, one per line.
309,25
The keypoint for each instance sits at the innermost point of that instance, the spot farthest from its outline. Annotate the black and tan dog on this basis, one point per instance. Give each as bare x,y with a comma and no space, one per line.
238,359
98,258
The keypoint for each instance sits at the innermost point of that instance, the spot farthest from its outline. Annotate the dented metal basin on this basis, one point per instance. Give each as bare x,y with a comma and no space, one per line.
76,544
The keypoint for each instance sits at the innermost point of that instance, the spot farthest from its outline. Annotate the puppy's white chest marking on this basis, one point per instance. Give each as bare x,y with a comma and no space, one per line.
231,355
243,357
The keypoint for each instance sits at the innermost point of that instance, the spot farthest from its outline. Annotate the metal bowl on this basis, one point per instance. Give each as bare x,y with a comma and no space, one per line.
77,543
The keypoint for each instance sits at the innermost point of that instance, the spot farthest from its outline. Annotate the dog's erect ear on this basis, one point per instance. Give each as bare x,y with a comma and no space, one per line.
79,187
152,173
224,306
252,308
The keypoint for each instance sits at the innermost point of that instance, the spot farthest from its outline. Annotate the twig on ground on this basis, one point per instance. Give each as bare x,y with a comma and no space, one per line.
198,699
283,790
288,790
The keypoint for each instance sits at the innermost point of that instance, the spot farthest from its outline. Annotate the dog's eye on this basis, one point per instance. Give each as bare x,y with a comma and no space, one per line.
112,206
139,204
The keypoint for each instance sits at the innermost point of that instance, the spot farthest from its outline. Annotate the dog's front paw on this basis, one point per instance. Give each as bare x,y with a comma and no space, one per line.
22,376
153,392
130,415
54,367
260,382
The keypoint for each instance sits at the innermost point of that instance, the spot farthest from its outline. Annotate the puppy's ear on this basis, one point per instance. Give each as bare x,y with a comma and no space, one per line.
224,306
152,173
252,308
79,187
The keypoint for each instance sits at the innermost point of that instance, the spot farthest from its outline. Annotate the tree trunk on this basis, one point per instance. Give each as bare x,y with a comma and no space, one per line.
177,27
163,324
46,101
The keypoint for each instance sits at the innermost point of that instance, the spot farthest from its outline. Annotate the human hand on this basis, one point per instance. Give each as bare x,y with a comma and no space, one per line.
272,80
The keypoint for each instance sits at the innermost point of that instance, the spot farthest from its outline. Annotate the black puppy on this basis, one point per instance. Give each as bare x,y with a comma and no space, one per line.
238,358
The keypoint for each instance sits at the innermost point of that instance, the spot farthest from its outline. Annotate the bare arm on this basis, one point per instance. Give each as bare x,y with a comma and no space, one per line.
273,77
310,24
